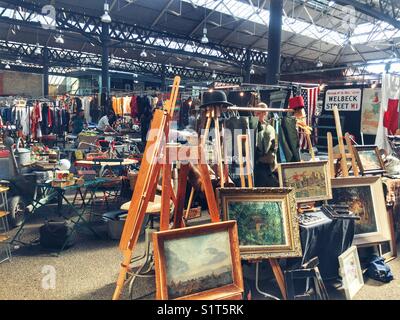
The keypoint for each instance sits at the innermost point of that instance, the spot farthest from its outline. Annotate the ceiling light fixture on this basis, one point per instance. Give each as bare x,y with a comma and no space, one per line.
59,39
214,75
252,71
143,54
7,66
18,60
37,51
320,64
170,68
105,18
205,64
204,39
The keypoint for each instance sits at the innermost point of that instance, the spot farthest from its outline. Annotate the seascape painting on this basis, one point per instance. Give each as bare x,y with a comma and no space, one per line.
360,202
260,222
308,182
198,263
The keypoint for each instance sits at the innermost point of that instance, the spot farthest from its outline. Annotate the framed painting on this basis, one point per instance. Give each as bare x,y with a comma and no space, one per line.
365,198
198,263
350,271
310,180
369,160
267,221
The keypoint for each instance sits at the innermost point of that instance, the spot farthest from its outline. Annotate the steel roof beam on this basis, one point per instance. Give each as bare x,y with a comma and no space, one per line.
387,11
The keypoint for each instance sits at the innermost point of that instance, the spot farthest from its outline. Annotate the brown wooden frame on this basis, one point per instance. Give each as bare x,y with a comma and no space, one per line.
381,215
286,195
228,292
364,170
290,165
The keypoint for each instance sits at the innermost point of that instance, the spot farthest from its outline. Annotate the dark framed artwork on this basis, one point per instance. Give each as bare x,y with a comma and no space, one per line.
198,263
365,198
310,180
369,160
267,221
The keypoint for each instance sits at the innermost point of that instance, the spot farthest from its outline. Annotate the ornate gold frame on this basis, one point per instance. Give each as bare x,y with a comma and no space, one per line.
292,248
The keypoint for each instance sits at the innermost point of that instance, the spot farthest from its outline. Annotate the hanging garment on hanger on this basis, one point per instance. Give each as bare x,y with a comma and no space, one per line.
290,139
126,106
391,117
86,108
94,110
134,107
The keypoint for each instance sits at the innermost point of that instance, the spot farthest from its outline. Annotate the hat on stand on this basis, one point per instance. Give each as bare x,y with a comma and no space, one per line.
215,98
296,102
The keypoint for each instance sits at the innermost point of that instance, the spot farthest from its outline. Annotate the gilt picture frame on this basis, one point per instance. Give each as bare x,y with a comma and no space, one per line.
310,180
267,221
365,198
351,273
198,263
369,160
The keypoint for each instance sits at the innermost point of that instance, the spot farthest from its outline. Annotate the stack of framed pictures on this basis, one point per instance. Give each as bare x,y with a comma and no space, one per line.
267,221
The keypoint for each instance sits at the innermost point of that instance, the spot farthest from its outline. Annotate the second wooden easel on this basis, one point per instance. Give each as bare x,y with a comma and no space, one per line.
276,268
343,156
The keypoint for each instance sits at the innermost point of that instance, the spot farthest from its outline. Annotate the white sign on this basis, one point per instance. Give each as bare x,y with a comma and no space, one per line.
345,99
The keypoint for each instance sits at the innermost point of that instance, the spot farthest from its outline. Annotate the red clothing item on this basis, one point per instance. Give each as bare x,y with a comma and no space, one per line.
134,107
50,120
391,117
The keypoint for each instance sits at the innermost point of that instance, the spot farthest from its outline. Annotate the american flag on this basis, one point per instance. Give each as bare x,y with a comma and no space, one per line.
310,96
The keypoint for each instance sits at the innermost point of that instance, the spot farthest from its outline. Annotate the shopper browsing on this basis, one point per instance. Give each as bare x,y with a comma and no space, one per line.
104,123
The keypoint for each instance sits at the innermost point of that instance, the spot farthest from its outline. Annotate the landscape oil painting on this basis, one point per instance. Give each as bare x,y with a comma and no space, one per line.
365,198
360,202
369,159
264,226
196,264
310,180
266,219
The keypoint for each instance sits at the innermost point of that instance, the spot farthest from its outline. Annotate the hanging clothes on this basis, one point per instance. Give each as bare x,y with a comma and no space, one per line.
126,105
391,117
134,107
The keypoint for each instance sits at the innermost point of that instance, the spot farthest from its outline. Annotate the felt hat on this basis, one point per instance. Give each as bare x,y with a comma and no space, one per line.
296,102
215,98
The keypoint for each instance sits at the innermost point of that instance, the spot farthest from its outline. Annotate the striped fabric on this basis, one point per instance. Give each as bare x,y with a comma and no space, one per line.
310,96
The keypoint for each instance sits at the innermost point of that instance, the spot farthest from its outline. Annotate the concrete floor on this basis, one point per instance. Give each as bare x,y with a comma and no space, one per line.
88,271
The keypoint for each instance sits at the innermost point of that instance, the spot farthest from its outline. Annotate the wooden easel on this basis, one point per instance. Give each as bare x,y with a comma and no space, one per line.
342,156
276,268
146,185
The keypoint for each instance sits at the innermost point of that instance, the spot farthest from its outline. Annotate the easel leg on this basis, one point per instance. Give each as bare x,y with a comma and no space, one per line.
276,269
180,197
122,274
